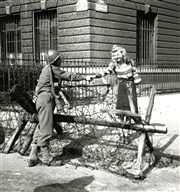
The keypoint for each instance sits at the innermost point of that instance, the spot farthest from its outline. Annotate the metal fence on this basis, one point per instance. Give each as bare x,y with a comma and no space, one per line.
166,75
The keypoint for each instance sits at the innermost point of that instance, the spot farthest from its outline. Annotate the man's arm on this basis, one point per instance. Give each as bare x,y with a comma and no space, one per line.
68,76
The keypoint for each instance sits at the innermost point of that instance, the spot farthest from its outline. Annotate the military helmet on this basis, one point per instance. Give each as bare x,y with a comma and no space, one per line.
52,56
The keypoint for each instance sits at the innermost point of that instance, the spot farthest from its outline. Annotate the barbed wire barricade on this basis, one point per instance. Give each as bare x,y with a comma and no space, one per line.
85,142
90,142
91,145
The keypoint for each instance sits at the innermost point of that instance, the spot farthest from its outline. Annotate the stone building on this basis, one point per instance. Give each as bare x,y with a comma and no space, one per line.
87,29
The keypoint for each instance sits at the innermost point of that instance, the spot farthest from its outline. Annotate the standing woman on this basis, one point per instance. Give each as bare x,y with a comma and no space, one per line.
127,77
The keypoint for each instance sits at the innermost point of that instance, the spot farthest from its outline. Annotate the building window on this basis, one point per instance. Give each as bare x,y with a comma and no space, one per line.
45,33
146,37
10,38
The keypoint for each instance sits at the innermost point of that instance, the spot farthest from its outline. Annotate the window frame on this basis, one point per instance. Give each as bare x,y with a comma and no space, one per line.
146,50
36,17
11,36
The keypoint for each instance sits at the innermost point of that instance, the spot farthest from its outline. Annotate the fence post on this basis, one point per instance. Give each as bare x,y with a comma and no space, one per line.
162,77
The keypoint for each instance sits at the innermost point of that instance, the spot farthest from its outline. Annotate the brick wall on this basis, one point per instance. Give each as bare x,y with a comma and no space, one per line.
90,34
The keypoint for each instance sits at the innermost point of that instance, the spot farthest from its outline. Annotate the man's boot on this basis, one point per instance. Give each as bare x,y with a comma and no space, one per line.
46,158
33,159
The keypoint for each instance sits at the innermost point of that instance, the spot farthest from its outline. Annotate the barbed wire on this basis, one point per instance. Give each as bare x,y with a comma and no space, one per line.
90,145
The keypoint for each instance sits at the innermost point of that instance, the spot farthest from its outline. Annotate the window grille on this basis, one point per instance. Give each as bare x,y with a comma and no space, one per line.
146,48
10,38
45,33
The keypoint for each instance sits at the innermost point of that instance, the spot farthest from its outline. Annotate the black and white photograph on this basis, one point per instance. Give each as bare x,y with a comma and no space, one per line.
89,95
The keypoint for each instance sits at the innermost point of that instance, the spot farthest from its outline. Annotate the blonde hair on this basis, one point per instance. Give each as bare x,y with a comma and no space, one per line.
116,48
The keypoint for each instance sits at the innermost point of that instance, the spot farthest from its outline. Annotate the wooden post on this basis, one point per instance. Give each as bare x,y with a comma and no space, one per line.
144,137
28,141
15,136
151,104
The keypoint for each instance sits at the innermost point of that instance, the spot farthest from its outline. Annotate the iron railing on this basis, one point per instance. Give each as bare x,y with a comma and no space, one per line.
166,75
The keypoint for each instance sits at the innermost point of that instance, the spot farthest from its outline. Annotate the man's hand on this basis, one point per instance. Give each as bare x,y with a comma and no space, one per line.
101,74
34,99
90,77
98,75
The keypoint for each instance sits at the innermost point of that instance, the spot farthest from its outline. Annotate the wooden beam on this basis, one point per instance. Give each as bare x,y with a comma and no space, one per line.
154,128
136,117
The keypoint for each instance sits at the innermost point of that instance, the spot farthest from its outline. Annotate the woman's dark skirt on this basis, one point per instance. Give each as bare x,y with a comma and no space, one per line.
126,92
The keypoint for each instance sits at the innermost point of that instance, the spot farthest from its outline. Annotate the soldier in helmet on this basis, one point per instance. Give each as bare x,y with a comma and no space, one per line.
45,105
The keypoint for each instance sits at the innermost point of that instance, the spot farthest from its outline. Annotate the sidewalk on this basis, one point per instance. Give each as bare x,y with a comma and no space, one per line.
16,177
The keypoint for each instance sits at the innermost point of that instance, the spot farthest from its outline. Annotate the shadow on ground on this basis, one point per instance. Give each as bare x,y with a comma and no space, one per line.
76,185
160,156
76,147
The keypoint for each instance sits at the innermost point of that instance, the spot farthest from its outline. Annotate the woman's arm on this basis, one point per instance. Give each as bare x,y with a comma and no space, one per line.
136,77
109,70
